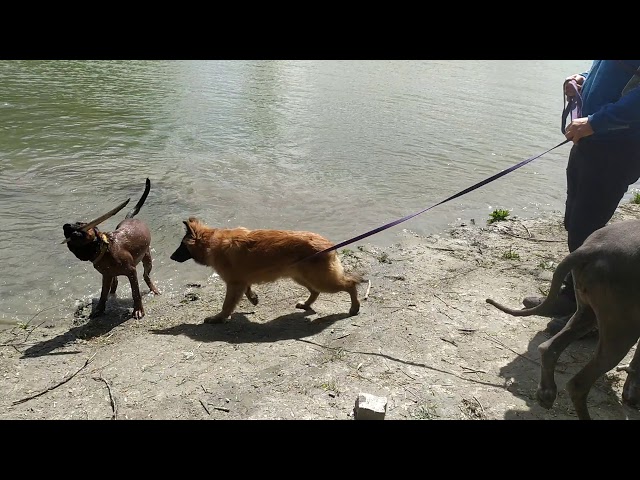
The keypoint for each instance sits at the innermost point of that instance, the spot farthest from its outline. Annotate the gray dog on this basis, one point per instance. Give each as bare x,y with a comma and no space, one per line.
605,272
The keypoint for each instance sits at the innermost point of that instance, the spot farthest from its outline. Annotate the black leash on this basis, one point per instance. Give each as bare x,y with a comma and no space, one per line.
466,190
573,109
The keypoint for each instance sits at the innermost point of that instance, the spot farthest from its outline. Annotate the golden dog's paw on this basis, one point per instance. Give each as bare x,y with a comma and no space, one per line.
216,319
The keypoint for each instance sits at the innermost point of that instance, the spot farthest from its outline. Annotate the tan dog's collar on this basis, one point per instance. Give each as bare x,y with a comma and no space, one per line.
104,246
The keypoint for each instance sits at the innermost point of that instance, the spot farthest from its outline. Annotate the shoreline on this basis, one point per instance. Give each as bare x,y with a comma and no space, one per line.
425,340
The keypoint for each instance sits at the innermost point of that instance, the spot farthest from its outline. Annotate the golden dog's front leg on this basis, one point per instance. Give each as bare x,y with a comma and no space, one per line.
313,296
251,295
231,299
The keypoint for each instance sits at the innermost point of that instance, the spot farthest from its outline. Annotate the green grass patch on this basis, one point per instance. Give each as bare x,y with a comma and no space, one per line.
425,412
546,265
498,215
511,255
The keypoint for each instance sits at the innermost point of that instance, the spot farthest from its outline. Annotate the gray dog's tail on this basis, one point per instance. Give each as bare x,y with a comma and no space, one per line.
546,307
134,211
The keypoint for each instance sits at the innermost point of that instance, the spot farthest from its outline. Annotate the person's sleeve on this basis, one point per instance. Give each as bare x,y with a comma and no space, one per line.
619,115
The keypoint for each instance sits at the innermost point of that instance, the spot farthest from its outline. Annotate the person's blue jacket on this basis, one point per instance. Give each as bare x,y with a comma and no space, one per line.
611,98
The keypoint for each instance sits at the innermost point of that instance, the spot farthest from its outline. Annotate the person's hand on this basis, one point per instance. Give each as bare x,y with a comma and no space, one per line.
568,91
577,129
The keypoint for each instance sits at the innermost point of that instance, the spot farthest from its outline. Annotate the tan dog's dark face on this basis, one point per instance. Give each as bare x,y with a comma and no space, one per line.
79,241
243,257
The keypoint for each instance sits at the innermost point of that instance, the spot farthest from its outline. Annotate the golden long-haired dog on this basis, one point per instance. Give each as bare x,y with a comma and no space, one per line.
243,257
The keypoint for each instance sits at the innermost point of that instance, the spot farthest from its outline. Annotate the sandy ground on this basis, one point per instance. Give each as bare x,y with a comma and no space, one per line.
425,340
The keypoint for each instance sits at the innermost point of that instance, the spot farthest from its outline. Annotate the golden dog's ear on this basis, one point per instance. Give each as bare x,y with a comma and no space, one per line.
189,228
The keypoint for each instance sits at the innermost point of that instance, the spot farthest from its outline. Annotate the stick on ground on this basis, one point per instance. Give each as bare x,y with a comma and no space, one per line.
56,385
114,407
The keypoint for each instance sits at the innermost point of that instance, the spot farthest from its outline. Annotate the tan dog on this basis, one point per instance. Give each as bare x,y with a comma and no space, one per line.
115,253
243,257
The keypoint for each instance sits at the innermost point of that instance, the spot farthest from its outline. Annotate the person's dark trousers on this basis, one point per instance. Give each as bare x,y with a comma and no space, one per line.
599,173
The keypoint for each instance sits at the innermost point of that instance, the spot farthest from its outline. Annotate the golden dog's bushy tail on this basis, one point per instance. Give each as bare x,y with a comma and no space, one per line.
355,277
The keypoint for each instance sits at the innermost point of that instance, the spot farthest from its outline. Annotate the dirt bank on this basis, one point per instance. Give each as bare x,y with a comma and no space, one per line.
425,339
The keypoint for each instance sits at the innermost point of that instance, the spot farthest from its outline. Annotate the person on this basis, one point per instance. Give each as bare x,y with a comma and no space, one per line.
603,162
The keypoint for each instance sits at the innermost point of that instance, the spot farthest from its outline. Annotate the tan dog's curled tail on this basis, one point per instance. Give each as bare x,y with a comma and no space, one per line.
134,211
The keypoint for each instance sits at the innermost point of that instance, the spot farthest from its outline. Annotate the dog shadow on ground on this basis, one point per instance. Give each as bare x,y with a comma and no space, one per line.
523,374
118,310
239,329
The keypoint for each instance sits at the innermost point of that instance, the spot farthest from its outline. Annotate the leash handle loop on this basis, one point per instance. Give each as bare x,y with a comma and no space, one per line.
573,107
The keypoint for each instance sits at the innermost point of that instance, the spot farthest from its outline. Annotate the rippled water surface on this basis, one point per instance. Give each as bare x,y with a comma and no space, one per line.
336,147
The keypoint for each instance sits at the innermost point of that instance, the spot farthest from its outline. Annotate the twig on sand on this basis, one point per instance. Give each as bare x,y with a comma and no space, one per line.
467,330
441,248
450,306
452,342
528,232
412,378
446,315
471,370
366,295
483,412
532,239
58,384
509,348
205,407
114,407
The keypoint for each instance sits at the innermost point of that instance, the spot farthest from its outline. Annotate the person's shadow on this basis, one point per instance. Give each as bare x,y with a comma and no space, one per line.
523,374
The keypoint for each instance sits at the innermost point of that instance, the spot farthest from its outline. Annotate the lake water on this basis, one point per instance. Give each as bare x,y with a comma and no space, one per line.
336,147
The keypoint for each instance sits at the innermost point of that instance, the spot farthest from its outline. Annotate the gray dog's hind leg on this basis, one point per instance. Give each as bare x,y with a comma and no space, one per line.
631,389
582,322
